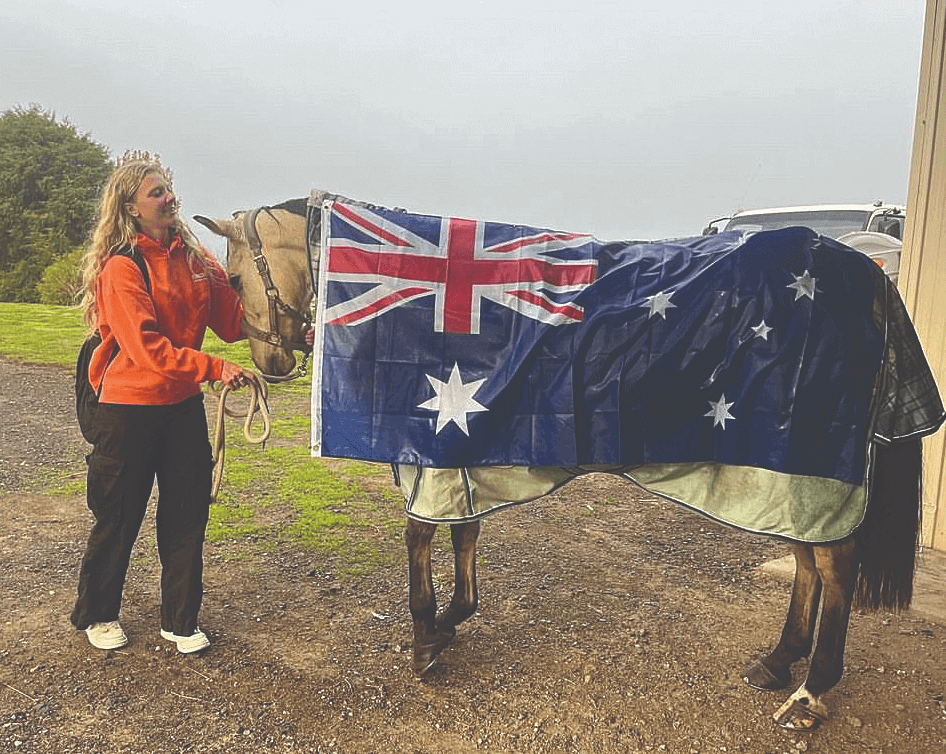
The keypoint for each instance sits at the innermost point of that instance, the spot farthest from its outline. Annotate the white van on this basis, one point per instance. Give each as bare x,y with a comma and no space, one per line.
873,229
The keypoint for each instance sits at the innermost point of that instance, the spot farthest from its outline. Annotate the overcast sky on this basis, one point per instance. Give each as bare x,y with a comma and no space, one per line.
622,119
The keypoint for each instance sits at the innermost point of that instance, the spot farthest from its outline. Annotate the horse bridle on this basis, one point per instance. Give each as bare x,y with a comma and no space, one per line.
276,305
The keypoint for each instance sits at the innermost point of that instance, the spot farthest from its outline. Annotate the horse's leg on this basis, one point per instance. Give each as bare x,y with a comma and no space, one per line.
774,670
429,640
465,597
837,567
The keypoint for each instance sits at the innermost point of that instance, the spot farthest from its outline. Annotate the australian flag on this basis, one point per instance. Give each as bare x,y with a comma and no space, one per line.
449,343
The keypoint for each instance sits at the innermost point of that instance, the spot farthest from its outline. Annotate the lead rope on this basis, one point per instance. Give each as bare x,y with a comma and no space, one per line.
257,404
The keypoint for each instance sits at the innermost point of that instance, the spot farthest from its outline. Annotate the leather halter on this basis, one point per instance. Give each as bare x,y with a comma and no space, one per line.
276,305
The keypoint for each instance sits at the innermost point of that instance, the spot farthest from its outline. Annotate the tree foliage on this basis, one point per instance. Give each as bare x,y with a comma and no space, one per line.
62,280
50,180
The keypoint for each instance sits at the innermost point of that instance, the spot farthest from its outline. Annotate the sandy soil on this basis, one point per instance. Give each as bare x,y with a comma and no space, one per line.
608,622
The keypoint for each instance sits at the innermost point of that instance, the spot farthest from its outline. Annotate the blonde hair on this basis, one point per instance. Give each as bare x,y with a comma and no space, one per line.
116,229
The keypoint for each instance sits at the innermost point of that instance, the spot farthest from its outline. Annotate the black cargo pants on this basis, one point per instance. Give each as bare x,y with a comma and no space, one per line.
133,446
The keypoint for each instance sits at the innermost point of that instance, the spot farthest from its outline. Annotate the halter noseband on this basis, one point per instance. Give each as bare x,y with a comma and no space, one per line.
276,305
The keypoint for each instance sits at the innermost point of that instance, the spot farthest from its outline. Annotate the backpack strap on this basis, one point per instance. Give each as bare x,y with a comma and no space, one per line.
135,256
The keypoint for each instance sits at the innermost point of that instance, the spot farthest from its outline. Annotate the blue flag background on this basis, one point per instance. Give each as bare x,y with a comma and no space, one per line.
745,349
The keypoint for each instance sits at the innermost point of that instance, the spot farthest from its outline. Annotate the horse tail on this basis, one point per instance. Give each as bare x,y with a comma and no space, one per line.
888,537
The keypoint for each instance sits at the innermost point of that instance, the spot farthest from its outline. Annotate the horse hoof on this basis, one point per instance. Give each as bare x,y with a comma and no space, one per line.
802,712
759,676
426,654
422,664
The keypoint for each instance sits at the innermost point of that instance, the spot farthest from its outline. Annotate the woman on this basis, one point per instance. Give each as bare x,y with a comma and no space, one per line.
151,422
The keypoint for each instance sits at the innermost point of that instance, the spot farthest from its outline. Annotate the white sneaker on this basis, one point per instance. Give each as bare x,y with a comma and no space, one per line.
187,644
107,635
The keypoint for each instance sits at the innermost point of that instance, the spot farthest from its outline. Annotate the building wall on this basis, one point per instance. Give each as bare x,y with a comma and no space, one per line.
923,266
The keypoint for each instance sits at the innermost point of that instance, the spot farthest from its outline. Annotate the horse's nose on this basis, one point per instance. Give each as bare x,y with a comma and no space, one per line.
281,363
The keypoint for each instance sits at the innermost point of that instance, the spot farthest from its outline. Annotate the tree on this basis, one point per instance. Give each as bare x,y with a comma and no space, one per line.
62,280
50,179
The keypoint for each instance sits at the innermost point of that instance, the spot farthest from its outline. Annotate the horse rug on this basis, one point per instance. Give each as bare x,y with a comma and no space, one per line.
746,375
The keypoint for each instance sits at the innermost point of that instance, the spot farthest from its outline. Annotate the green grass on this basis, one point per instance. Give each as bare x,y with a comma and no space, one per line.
41,334
231,522
271,497
68,482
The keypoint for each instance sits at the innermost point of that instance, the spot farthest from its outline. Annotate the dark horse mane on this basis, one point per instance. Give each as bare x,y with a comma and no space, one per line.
294,206
300,206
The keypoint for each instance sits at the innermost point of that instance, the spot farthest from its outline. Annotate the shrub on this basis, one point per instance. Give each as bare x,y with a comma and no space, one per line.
61,283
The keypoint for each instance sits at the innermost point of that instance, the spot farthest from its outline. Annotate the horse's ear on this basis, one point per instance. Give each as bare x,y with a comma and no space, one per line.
226,228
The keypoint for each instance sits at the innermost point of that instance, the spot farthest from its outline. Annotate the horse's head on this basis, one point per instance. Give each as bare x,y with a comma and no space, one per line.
269,267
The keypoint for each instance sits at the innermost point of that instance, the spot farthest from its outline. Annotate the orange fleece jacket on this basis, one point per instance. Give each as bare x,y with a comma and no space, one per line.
160,334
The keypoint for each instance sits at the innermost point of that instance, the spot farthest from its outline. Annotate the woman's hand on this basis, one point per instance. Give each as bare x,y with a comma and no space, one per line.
235,377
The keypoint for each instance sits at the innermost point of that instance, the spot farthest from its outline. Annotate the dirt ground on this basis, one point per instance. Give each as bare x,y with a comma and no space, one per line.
608,622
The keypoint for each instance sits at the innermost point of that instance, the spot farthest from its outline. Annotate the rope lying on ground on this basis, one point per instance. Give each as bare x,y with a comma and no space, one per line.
257,404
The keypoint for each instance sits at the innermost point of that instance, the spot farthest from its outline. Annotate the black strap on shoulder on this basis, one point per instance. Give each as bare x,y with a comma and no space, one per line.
135,255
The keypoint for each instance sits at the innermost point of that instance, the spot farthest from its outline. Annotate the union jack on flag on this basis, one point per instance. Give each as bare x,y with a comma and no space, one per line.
389,258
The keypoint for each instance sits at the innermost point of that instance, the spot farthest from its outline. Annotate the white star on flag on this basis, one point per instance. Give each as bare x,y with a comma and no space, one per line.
719,411
659,304
762,330
805,285
453,400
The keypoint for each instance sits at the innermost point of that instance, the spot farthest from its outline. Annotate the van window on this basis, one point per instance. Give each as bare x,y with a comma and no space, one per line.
890,225
833,223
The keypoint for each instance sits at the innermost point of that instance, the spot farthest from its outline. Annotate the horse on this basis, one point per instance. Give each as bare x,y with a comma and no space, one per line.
269,264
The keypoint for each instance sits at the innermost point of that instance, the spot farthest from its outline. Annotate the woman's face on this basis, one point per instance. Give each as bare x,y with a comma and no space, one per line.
154,207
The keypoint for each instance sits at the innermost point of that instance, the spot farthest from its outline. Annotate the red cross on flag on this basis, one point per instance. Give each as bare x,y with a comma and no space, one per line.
458,262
